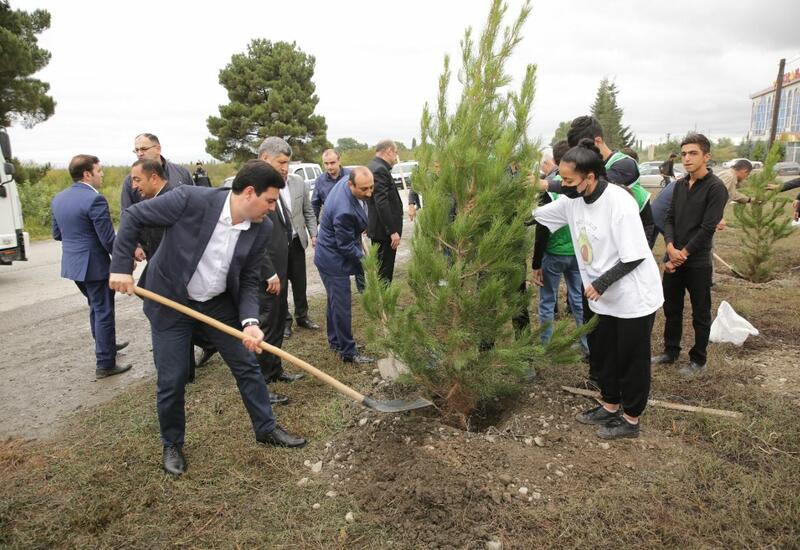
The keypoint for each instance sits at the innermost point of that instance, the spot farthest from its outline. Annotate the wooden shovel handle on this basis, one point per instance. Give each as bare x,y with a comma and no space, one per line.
222,327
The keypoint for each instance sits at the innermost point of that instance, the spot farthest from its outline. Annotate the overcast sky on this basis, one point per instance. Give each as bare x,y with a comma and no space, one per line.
122,68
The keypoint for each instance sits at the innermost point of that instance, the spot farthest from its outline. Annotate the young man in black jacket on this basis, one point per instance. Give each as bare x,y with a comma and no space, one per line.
698,202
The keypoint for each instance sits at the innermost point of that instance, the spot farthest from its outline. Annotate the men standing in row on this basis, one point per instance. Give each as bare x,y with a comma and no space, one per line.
338,256
273,297
209,259
334,172
385,208
698,202
277,153
82,222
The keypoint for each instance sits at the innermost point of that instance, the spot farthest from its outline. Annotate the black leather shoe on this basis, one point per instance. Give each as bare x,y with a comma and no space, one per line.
277,399
358,359
173,460
287,332
206,356
280,438
286,377
662,359
122,345
307,323
116,369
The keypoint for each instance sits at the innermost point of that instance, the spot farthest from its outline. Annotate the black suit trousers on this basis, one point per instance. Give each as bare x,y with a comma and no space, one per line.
297,276
386,256
172,367
273,309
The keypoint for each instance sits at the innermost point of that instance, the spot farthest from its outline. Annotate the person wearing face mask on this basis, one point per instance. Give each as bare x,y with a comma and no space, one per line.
621,281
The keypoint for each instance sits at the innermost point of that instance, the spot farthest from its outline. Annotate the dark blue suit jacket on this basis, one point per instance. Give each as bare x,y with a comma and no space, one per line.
82,222
189,215
338,250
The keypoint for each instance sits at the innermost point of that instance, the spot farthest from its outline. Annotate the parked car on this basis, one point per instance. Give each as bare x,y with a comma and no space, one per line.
787,169
308,171
402,173
650,176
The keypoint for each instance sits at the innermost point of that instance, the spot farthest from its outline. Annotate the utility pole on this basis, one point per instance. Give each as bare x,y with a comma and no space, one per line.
776,105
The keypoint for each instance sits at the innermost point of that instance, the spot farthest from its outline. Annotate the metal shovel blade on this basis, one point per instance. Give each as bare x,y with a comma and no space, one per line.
396,405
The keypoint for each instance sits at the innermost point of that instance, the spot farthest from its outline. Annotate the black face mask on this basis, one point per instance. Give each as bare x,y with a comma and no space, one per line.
571,191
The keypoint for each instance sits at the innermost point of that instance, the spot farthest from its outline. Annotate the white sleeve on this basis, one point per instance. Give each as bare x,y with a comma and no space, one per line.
552,215
628,233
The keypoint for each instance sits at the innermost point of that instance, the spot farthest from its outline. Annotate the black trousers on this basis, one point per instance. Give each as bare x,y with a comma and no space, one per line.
649,225
172,367
296,274
272,311
386,256
697,280
622,347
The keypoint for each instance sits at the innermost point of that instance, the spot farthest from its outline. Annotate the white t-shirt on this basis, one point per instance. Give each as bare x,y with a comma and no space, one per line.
606,232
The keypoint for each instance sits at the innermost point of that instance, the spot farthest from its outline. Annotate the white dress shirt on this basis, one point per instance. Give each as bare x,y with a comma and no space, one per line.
90,186
210,277
286,195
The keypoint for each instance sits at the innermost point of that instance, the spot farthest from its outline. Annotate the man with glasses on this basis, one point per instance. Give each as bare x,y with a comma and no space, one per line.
147,147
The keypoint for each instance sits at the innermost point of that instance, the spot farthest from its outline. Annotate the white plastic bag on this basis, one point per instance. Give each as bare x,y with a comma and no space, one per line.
731,327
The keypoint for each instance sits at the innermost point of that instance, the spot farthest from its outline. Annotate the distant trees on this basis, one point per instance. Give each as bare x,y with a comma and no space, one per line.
348,144
561,132
271,94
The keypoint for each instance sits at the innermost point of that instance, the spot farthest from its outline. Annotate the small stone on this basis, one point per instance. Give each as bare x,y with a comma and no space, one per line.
523,491
331,494
316,506
490,438
604,446
307,464
505,479
559,473
528,441
536,495
349,517
539,441
494,545
429,448
376,380
316,468
303,482
363,422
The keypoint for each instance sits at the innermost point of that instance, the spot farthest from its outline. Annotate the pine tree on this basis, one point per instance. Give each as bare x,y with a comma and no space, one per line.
609,113
470,244
764,221
271,94
23,98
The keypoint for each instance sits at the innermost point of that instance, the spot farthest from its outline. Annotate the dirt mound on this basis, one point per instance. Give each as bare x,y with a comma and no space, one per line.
440,487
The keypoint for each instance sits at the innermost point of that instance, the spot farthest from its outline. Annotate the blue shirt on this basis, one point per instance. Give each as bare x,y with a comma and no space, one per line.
660,205
322,187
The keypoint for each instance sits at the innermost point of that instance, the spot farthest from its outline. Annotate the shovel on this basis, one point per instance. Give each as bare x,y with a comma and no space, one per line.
726,264
392,406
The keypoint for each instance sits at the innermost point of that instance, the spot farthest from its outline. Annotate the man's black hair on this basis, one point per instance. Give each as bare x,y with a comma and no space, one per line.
259,175
584,127
559,149
743,164
151,167
699,140
80,164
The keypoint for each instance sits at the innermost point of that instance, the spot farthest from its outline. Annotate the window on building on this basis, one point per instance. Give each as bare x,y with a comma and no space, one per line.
782,114
796,112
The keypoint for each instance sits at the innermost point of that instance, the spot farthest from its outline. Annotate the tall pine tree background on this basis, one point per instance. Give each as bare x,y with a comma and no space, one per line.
609,113
470,245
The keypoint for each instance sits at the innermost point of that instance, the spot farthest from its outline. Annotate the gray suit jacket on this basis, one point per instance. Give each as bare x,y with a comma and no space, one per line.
303,219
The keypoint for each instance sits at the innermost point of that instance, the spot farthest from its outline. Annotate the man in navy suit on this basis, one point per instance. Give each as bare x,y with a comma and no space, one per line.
82,222
338,256
210,259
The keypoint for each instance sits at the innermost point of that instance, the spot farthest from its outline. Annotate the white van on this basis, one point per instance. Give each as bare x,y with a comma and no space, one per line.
14,242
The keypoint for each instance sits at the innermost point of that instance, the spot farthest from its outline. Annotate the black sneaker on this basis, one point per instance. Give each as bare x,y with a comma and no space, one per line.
596,416
617,428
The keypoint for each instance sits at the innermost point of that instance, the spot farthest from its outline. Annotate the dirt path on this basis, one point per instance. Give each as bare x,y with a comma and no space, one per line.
47,368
